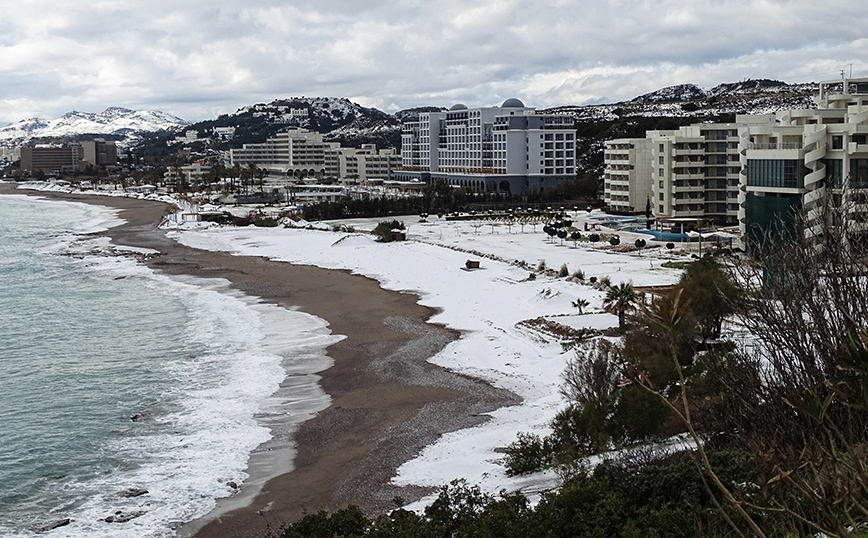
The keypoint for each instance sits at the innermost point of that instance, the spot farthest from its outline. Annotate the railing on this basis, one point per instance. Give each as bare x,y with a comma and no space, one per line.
778,145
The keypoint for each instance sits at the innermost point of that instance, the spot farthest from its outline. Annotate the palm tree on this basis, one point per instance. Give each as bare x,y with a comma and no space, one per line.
581,304
621,299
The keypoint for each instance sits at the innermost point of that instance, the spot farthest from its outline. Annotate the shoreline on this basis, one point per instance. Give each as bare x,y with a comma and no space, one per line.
388,401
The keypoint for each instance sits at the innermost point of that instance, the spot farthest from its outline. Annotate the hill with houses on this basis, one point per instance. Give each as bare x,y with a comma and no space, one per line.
159,135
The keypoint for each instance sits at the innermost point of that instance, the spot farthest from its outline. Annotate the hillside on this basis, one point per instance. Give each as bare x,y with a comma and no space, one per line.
675,106
115,123
158,137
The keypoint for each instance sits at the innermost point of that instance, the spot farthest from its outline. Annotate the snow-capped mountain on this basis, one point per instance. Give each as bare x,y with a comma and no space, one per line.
114,121
688,100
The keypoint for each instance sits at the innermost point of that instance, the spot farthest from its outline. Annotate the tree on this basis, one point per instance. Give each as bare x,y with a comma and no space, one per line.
713,295
620,299
581,304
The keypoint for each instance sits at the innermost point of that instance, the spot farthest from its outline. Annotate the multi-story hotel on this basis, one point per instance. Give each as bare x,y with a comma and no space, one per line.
695,172
73,156
506,150
795,157
352,165
754,171
297,151
627,160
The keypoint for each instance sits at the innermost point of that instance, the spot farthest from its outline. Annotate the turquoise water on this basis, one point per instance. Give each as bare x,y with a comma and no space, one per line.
115,378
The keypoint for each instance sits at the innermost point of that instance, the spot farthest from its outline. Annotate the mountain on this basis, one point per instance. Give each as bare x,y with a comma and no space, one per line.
675,106
121,124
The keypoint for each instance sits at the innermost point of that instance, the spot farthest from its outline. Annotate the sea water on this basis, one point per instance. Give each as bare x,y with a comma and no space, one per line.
127,395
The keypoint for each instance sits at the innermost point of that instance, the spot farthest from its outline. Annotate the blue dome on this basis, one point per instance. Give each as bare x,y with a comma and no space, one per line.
458,106
512,103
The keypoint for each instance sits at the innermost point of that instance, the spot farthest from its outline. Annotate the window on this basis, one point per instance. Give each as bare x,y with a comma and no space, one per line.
660,172
661,196
661,148
838,142
834,172
781,173
859,173
661,184
661,158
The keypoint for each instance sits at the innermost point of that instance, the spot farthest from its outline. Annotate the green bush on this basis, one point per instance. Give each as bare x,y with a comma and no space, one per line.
527,454
383,231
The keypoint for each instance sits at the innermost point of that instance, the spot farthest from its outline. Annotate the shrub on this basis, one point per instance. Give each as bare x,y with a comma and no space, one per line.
579,275
564,272
383,231
542,266
527,454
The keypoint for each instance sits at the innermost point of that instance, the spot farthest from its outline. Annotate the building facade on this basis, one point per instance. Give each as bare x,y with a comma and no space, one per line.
504,150
297,152
754,172
628,165
359,165
99,152
695,172
51,159
796,158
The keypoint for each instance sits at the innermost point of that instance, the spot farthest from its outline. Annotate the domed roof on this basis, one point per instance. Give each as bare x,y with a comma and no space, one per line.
512,102
458,106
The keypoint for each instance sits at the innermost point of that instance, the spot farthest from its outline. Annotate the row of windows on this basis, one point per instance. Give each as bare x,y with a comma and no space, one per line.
780,173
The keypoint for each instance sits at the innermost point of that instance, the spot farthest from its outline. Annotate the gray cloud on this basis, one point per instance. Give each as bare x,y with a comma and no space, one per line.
198,59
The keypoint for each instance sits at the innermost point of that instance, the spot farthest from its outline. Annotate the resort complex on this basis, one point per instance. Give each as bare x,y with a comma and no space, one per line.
750,172
508,150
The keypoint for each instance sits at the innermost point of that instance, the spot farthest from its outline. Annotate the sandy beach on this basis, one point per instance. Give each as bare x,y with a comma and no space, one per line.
388,402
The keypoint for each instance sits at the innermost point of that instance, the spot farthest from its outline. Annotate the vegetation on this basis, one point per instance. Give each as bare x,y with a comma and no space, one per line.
383,230
620,299
777,431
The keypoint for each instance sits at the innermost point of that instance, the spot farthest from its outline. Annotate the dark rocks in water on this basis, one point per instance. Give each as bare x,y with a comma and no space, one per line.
120,517
53,525
132,492
232,485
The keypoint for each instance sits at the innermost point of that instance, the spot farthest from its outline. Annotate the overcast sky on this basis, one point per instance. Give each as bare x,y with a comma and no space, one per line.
197,59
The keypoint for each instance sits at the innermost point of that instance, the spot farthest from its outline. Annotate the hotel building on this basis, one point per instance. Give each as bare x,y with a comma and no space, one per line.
509,149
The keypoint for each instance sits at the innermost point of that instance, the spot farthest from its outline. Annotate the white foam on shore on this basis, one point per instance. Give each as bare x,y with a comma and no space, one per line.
226,402
485,304
246,380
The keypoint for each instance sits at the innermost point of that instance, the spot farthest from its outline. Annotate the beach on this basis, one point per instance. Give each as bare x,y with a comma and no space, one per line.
387,401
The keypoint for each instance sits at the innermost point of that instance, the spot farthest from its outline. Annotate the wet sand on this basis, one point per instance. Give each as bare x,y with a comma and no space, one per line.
388,402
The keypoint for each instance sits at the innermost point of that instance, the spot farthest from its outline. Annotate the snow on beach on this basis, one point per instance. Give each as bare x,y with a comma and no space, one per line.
485,304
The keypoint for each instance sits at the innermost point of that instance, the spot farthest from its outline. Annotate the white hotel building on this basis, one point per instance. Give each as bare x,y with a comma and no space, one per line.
753,172
505,150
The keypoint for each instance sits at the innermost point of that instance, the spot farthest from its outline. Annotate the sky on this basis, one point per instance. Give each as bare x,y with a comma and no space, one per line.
198,59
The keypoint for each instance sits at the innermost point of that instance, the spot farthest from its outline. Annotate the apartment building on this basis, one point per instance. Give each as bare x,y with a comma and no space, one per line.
754,172
99,152
628,165
508,149
358,165
795,158
295,152
51,159
695,172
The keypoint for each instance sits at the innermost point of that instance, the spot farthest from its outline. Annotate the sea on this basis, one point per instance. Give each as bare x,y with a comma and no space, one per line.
131,401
